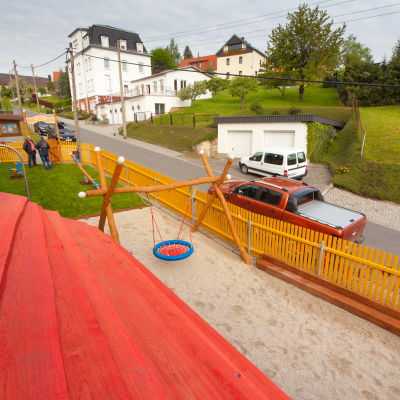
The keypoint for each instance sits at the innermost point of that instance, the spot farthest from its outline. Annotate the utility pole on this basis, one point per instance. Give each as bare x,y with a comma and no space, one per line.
34,84
18,94
78,139
9,73
121,89
112,110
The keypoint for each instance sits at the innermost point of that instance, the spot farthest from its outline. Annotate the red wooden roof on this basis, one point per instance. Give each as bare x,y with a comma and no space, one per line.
10,117
81,318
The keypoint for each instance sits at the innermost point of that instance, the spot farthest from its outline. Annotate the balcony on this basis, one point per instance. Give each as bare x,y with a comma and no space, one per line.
233,52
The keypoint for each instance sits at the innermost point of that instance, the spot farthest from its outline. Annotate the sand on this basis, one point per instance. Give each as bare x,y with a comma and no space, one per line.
310,348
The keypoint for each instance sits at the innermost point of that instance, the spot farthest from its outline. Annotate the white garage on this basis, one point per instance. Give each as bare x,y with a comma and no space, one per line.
240,143
244,136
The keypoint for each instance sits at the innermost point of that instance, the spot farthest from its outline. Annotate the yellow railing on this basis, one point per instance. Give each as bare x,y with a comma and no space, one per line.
358,268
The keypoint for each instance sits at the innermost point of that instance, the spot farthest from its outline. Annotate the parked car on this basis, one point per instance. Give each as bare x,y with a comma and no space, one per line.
277,161
40,127
66,134
296,203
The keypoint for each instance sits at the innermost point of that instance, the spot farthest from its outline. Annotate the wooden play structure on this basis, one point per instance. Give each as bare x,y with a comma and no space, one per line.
107,193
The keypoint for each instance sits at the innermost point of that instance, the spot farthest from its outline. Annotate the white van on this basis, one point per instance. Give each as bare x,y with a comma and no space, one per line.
290,162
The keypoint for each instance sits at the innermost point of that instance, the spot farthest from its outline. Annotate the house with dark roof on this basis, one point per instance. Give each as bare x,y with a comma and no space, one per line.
96,72
5,80
239,57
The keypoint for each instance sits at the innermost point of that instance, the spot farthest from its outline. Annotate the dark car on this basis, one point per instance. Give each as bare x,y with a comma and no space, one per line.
66,134
41,127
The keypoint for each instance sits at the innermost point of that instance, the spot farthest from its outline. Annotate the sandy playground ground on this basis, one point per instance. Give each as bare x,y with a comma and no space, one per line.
310,348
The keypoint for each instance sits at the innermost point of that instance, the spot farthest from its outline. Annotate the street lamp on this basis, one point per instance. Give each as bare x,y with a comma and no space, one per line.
112,111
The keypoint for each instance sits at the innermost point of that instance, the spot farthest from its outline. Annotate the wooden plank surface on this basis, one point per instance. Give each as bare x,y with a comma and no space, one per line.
30,356
90,369
216,360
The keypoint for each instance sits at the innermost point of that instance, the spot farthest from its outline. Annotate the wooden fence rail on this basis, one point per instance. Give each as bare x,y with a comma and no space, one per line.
358,268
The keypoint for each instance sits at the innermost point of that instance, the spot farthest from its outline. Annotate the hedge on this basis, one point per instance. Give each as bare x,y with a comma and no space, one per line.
319,137
63,103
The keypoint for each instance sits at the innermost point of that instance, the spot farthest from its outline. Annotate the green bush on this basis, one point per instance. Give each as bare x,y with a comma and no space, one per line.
327,78
67,109
319,137
213,125
276,113
257,108
294,110
63,103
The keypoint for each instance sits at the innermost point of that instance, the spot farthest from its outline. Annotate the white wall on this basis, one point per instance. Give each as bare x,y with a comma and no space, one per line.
258,134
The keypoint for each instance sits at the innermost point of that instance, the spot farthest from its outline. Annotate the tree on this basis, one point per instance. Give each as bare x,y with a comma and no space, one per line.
173,51
191,92
396,53
6,105
50,87
161,60
241,86
216,85
24,88
306,45
271,84
62,85
209,70
41,90
354,53
187,53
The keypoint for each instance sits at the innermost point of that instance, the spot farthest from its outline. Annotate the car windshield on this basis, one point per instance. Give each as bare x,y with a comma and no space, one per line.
65,129
43,123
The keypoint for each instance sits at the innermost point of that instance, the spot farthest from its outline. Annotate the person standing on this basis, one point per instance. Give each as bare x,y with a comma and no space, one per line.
43,148
29,148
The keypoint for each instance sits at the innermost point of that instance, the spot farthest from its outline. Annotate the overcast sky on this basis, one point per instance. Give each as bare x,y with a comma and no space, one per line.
36,32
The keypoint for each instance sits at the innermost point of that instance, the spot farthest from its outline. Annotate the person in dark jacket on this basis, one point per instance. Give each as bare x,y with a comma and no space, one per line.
29,148
43,148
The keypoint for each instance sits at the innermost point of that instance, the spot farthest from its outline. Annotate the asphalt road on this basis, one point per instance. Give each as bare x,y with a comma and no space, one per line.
181,169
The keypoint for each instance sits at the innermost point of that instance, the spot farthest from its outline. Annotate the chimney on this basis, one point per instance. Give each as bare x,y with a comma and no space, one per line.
49,77
242,38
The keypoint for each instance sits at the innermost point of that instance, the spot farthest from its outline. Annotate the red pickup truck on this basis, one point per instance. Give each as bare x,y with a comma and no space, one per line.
296,203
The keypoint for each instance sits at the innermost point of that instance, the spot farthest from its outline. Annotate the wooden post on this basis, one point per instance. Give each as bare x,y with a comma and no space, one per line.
212,198
25,123
239,244
110,192
34,84
103,185
58,136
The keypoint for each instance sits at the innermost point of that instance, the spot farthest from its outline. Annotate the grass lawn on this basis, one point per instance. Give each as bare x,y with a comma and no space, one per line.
314,96
58,190
382,142
366,177
32,106
179,138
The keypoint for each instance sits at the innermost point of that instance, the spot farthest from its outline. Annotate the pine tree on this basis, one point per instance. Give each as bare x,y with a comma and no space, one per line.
187,53
174,52
396,53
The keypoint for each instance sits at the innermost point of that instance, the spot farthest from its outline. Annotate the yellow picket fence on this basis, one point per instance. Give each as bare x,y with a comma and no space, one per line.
360,269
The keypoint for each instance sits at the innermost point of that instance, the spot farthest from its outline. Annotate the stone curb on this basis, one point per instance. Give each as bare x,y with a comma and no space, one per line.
329,188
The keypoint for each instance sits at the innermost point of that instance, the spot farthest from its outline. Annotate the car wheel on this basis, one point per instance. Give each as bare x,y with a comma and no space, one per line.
244,169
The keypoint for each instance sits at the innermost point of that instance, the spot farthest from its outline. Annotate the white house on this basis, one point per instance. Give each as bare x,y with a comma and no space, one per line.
243,136
94,48
158,94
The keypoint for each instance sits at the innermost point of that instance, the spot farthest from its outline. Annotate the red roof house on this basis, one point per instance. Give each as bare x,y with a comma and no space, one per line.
200,62
80,317
56,75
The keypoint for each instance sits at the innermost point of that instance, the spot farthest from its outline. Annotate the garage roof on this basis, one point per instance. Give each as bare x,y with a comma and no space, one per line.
280,118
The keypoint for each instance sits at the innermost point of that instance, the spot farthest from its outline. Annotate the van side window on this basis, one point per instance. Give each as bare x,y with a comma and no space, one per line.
291,159
305,198
275,159
301,157
271,197
257,156
247,190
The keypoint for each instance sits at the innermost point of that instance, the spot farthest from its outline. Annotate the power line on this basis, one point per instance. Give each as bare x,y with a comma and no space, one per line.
233,22
37,66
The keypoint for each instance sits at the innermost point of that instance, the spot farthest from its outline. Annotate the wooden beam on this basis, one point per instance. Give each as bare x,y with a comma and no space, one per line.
212,198
82,170
26,124
219,194
58,135
110,192
159,188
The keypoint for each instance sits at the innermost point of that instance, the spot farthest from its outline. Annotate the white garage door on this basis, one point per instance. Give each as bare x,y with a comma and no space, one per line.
279,138
240,143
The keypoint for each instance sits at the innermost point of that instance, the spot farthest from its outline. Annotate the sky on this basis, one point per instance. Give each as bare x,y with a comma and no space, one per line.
37,32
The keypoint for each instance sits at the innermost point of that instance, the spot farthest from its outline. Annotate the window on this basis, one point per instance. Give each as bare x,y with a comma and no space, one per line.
78,68
104,41
256,73
160,108
257,156
305,198
228,61
86,64
80,88
126,86
141,68
88,86
227,75
148,89
142,88
301,157
75,43
275,159
155,86
90,63
211,63
122,44
176,84
162,85
234,46
183,84
91,82
240,72
291,159
107,63
124,65
269,196
201,65
240,60
139,47
247,191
